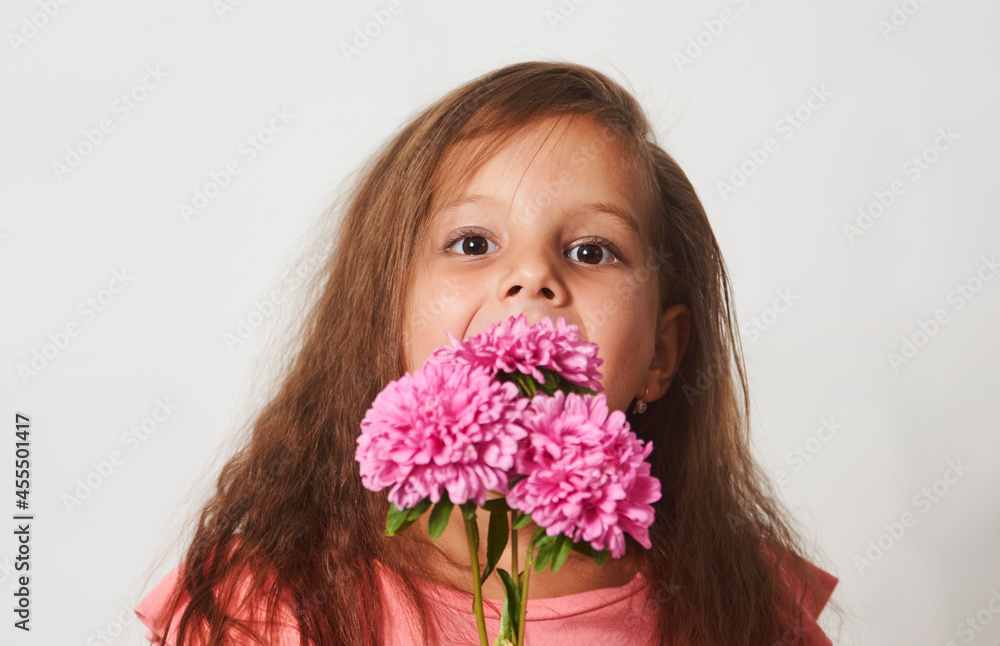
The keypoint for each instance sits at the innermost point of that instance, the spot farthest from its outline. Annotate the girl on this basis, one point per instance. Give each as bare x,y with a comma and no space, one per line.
535,189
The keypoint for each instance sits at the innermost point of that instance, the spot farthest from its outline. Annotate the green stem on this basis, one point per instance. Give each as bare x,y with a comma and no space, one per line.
513,544
528,561
477,586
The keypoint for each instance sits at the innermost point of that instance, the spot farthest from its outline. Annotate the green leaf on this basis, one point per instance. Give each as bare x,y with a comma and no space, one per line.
439,517
496,541
497,504
545,549
394,519
523,521
399,519
552,380
511,614
542,558
414,513
561,551
570,387
585,548
525,384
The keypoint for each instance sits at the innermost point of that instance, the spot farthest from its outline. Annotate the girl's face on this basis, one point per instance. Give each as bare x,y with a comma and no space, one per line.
547,227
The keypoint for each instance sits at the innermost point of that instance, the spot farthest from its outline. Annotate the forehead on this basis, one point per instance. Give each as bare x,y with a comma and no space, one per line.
575,157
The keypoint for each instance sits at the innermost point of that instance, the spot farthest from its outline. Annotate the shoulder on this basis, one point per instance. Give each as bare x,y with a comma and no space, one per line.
811,588
151,610
154,612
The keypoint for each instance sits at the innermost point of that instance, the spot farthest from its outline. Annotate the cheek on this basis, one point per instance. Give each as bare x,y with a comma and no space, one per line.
434,306
620,370
416,322
626,344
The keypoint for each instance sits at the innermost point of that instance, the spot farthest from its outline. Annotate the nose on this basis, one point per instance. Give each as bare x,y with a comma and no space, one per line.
544,291
533,276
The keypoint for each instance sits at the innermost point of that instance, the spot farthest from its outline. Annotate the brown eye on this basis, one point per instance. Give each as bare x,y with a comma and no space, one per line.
593,254
471,245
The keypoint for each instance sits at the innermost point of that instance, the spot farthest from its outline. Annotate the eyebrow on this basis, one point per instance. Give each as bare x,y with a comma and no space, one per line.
614,210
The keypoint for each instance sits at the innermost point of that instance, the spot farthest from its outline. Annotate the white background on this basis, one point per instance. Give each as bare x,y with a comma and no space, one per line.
825,357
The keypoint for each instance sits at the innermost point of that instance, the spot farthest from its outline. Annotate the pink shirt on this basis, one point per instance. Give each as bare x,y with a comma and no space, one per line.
621,615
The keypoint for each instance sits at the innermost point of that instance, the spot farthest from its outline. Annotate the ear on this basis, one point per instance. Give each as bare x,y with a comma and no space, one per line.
674,330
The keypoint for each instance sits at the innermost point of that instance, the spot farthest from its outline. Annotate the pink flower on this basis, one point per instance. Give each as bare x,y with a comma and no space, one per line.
586,474
511,346
442,428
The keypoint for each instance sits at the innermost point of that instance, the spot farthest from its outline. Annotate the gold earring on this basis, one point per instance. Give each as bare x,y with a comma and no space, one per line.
640,405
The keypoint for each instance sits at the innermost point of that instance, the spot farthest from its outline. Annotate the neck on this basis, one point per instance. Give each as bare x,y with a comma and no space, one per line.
449,563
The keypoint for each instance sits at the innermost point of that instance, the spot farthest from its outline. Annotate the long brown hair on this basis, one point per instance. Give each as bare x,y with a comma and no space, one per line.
289,508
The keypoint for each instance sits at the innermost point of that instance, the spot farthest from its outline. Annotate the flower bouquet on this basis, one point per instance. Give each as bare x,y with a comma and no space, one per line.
516,411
